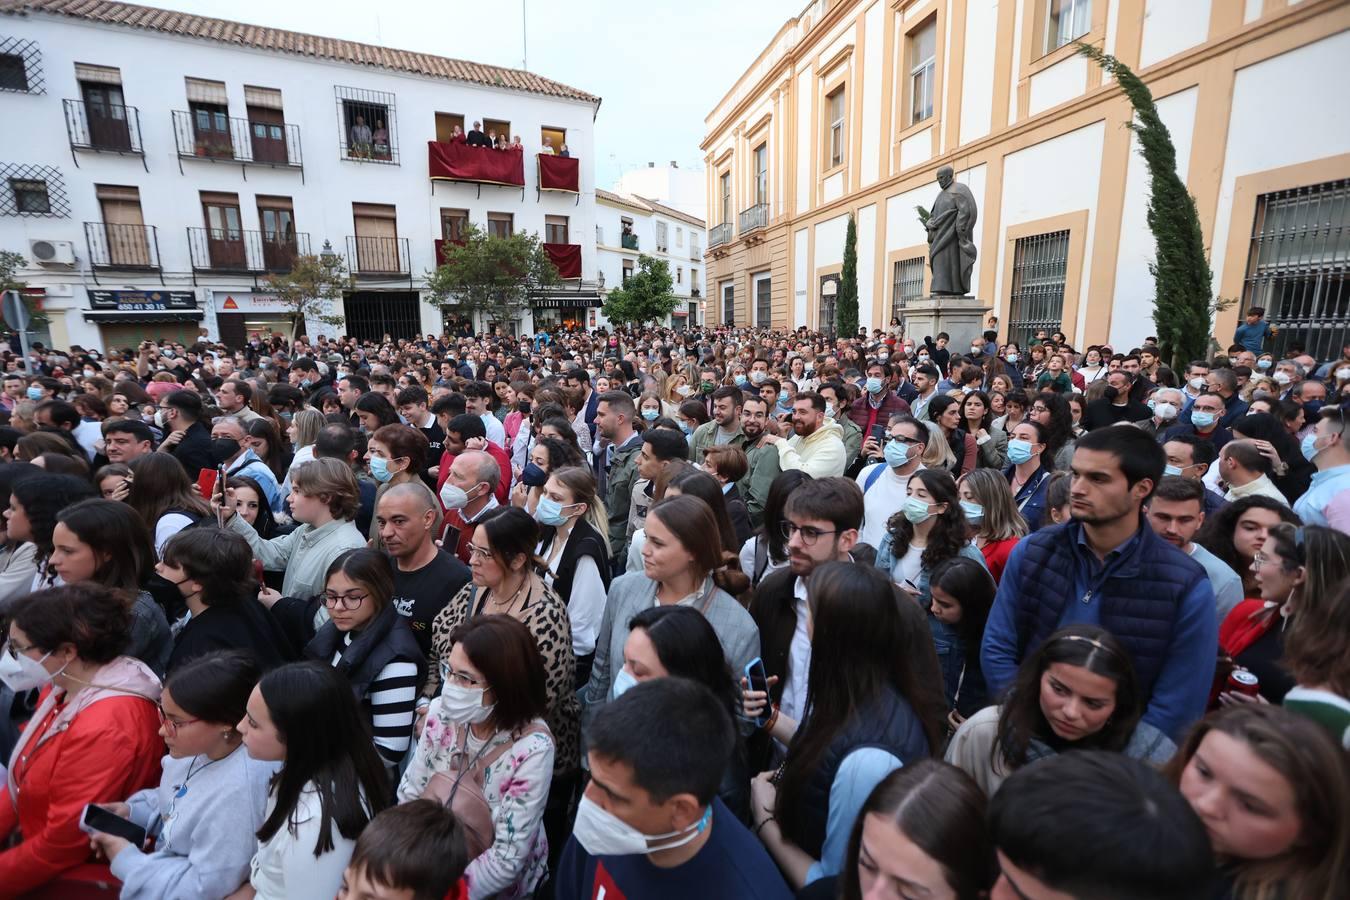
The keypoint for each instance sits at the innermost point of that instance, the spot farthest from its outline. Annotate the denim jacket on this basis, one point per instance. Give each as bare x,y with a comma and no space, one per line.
886,561
962,683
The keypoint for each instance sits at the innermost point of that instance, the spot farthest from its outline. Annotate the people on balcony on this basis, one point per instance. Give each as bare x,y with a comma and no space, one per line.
516,144
361,137
564,151
457,136
381,140
476,137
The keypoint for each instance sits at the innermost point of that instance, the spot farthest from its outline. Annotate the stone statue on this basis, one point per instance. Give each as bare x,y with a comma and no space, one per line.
951,251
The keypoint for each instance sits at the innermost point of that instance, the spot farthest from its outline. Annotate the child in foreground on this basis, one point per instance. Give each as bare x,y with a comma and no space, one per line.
413,851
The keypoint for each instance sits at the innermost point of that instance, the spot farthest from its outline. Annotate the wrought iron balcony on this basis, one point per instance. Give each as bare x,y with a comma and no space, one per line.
103,127
377,255
228,250
122,247
719,235
756,216
694,252
628,241
201,134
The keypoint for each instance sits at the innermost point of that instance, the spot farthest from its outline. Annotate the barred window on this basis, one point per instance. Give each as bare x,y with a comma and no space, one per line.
1040,266
1297,266
908,284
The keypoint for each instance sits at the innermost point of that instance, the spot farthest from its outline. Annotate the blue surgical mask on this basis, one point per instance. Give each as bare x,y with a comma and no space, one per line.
916,510
1019,451
1171,470
740,380
829,410
651,415
1202,419
1309,447
1311,408
34,392
549,512
379,469
1011,357
896,453
974,511
622,682
783,398
874,385
686,427
1263,364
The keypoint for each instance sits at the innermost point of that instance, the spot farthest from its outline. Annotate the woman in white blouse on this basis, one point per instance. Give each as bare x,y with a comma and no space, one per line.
486,732
331,783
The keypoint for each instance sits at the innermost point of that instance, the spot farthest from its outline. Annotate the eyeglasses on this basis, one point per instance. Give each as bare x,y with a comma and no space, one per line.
809,535
1039,409
902,439
171,725
482,554
460,678
348,601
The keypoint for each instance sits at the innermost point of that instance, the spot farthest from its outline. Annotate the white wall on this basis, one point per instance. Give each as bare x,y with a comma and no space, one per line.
1060,83
1171,27
977,78
153,68
684,189
1132,309
802,96
800,278
1051,178
867,263
830,242
1308,126
874,37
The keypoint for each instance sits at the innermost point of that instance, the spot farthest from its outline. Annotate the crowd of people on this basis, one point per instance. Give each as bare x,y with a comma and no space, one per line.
718,613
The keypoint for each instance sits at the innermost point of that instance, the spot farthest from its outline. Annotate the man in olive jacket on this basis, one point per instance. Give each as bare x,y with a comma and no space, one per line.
724,428
616,468
762,457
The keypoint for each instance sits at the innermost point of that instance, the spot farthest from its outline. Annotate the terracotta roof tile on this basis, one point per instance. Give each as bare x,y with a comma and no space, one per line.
257,36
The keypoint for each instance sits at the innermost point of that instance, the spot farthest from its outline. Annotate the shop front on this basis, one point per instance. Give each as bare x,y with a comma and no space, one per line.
126,318
566,310
242,316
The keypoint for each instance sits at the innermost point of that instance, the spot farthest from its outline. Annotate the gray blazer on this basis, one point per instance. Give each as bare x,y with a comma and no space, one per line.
630,594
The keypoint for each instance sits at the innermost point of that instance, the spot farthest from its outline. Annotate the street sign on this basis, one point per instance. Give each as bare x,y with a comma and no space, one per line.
15,311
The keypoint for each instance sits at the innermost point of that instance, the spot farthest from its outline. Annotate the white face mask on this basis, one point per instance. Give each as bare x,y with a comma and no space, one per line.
23,673
453,497
602,833
464,705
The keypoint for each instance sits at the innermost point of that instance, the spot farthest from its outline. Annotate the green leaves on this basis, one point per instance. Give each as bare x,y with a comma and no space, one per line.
646,297
846,303
492,275
1183,301
306,289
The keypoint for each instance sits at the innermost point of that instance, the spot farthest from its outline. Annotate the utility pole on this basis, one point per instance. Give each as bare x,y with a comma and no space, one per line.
524,37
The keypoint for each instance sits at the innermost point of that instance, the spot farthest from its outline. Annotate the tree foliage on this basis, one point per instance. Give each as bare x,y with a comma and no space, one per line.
10,263
491,275
846,304
647,296
1183,301
308,287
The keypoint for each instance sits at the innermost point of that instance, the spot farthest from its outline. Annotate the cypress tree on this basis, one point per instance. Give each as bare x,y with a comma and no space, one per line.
846,304
1183,301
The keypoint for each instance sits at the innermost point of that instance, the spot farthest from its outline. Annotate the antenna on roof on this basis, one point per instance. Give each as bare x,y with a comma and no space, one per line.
524,37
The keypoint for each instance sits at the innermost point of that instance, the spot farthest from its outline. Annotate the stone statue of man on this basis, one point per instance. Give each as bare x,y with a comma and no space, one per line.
951,251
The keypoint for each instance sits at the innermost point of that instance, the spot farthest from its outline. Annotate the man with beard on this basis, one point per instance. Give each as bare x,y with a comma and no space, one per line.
823,518
818,445
762,457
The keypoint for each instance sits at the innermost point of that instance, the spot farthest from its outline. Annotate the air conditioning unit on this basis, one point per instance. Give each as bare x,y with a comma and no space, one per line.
52,253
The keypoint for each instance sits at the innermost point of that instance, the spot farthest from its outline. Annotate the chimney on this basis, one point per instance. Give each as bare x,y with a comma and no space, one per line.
674,165
651,165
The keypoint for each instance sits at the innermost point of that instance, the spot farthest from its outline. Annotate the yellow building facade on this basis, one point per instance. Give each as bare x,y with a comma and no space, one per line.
855,104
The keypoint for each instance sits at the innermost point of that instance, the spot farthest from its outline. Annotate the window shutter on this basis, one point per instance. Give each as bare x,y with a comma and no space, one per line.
201,91
98,74
267,98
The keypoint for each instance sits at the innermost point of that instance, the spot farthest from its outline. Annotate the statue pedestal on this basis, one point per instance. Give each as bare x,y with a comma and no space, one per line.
963,319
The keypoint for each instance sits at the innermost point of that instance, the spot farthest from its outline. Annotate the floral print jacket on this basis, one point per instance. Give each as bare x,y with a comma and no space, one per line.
515,786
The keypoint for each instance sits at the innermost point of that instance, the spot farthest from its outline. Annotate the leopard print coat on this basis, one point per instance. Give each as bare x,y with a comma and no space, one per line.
545,615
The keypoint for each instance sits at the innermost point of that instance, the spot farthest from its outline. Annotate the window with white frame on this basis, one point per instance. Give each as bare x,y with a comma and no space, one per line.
1066,20
661,236
922,69
834,105
724,190
679,237
762,174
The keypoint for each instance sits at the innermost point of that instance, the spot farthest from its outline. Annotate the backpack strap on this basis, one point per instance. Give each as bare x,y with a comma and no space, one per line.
873,476
495,753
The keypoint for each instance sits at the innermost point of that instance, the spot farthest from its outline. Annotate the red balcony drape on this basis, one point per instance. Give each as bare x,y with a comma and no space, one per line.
559,173
460,162
567,259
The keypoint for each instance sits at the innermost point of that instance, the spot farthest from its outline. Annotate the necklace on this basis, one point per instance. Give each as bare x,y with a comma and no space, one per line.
511,601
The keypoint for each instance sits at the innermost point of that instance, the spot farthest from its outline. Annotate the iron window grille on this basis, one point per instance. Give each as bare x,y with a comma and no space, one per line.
908,285
1297,266
366,141
21,66
1040,265
33,191
369,315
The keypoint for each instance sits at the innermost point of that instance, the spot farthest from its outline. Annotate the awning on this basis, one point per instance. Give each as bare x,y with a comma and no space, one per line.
567,300
130,318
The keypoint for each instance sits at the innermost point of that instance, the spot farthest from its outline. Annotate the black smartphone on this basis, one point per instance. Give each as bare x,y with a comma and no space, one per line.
97,819
758,679
879,434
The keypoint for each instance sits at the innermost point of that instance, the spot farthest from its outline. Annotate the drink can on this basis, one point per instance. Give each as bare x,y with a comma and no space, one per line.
1244,682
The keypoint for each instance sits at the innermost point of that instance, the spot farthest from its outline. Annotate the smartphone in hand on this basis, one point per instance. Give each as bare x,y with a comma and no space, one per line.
758,679
97,820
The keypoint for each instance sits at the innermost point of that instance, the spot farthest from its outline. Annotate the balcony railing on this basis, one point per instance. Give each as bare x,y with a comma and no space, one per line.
628,241
694,252
719,235
756,216
227,250
103,127
210,136
122,247
377,255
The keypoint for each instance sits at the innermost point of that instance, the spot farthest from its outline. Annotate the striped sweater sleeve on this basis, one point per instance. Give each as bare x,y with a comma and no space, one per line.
393,697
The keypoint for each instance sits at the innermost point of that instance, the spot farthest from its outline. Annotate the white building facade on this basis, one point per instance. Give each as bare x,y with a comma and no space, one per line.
629,226
171,162
682,189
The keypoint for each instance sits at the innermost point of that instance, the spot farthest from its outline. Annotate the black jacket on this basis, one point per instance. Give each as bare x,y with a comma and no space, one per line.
740,516
245,626
194,450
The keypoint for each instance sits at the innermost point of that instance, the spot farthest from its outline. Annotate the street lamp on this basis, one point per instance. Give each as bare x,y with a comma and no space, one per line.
327,254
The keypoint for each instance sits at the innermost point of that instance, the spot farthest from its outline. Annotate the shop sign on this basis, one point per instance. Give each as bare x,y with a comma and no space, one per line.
143,301
248,301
